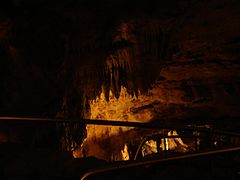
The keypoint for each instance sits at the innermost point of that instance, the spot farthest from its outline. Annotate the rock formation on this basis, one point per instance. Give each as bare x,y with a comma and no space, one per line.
57,57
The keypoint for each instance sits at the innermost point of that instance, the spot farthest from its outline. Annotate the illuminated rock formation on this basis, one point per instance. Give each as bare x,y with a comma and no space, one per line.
179,60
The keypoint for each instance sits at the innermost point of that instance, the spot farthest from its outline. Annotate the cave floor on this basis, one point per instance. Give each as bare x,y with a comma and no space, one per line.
21,163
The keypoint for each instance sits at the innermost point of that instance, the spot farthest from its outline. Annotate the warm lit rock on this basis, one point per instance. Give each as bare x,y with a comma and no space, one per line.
176,59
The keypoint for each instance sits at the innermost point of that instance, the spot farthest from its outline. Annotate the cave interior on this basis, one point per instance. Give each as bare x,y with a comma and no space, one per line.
161,61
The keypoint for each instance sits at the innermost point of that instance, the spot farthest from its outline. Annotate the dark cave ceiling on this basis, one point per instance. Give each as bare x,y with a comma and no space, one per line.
55,50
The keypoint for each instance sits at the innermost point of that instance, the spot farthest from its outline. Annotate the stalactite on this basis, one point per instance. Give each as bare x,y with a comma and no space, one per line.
129,60
152,41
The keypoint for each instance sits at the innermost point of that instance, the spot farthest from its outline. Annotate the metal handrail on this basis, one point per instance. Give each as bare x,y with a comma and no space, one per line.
149,125
160,136
89,121
155,161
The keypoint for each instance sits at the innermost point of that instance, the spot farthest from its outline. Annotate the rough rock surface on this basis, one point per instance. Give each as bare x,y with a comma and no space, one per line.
56,56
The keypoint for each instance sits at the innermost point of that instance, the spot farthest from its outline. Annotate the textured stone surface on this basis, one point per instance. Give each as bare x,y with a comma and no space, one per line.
56,56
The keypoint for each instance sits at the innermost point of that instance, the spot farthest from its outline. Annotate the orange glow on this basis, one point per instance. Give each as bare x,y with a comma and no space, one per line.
121,108
114,109
108,142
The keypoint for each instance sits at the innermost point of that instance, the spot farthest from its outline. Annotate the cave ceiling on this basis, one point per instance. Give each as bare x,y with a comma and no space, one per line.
55,52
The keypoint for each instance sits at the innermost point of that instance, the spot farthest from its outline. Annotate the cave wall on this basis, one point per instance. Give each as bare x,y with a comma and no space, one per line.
81,48
31,55
57,56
